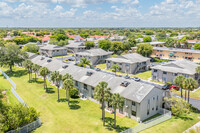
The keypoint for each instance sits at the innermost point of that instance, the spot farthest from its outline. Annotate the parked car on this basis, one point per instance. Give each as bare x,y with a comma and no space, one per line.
136,79
174,87
97,69
166,87
126,76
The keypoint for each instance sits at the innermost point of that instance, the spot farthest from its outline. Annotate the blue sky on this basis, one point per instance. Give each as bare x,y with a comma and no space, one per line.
99,13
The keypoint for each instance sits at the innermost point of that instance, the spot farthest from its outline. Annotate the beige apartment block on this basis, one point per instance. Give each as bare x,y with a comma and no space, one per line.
175,53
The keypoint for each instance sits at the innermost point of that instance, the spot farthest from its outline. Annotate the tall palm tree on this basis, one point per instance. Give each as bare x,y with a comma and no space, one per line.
117,102
115,68
84,62
35,70
179,81
68,84
56,77
102,94
44,71
53,76
190,84
67,76
28,64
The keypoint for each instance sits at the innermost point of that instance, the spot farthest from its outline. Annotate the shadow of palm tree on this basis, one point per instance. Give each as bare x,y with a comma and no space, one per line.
74,105
62,100
49,90
110,125
17,73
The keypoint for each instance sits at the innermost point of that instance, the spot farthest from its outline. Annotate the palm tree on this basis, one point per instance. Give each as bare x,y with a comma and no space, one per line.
198,70
68,84
56,77
117,102
101,94
179,81
67,76
44,71
28,64
115,68
84,62
35,70
190,84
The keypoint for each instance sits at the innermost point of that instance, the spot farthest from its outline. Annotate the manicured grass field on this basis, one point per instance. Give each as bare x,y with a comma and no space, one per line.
195,95
174,125
57,117
81,116
143,75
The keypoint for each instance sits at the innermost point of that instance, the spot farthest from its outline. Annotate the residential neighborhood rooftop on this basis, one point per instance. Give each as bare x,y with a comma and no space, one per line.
94,52
179,66
135,91
129,58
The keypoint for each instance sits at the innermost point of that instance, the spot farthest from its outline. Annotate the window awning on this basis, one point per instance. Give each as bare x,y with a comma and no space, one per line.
171,54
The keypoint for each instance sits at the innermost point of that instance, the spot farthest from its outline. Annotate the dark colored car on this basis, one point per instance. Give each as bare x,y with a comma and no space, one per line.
126,76
166,87
97,69
136,79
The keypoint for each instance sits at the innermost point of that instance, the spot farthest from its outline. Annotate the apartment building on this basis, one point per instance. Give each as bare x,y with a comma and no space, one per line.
95,55
129,63
175,53
52,50
142,100
168,71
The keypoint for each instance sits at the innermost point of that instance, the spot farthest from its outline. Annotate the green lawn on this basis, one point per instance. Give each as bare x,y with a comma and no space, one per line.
174,125
195,94
81,116
143,75
11,99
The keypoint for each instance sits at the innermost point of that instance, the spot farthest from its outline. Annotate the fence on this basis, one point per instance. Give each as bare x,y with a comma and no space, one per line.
8,78
28,128
165,115
17,96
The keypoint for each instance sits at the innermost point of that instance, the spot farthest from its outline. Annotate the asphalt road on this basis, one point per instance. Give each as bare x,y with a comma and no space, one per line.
193,102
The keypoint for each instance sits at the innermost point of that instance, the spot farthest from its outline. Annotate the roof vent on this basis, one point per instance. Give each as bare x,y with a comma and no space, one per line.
89,73
49,60
64,66
125,83
42,58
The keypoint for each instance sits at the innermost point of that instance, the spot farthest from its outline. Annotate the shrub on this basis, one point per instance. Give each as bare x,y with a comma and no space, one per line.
168,83
74,93
66,60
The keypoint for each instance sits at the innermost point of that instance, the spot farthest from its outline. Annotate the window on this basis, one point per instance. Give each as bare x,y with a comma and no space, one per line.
164,72
133,103
133,113
156,107
76,83
85,86
186,75
164,79
155,70
174,74
148,107
153,108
